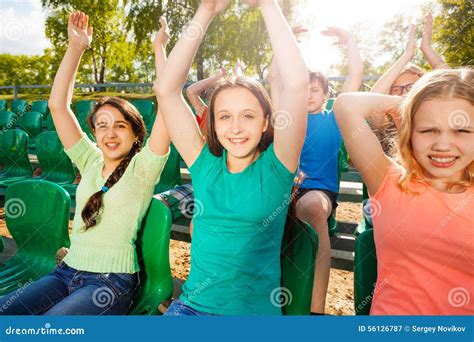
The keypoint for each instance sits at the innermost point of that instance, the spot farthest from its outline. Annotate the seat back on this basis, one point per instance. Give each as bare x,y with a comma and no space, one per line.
3,105
145,107
298,253
14,154
171,175
7,119
19,106
31,123
365,272
40,106
55,164
37,216
84,106
153,254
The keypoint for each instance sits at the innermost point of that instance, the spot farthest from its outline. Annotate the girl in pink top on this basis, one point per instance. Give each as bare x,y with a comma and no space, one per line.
422,203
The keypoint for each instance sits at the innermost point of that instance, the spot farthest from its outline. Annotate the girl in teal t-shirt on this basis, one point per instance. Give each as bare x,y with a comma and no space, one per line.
242,171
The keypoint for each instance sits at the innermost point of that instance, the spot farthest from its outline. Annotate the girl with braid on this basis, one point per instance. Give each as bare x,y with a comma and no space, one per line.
99,274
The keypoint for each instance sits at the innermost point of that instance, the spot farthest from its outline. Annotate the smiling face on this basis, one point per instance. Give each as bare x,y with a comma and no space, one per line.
442,138
239,121
113,133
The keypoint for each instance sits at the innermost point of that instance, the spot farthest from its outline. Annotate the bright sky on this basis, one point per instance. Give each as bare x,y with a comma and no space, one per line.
22,25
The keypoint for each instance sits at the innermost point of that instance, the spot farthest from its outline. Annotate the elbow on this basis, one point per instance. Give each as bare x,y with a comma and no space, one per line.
163,90
54,104
191,91
298,84
340,106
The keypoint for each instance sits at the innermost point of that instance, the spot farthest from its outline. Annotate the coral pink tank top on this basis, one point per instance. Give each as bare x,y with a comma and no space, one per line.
425,250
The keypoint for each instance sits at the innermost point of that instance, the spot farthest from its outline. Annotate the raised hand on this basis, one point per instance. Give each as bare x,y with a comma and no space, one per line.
411,45
344,37
163,35
78,31
427,32
215,6
297,29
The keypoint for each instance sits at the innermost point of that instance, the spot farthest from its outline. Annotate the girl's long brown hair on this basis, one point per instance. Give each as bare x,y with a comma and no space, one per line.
94,205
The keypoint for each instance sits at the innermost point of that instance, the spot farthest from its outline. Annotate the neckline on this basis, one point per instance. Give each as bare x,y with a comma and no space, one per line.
226,169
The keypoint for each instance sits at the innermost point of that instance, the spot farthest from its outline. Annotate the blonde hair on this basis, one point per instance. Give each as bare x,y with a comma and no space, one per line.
414,69
439,84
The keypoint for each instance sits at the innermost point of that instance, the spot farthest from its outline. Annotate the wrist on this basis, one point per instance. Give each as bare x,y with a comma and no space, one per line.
75,49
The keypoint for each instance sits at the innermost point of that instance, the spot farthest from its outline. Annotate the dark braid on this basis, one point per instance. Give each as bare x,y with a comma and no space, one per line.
93,207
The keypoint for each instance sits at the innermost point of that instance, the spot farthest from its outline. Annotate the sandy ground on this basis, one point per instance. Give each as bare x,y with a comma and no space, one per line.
340,297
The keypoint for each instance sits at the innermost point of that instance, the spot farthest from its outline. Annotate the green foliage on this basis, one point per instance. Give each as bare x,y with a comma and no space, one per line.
454,31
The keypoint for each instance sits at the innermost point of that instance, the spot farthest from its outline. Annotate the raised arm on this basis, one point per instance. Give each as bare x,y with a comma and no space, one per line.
196,89
274,78
178,117
80,37
159,138
354,61
384,83
352,111
435,60
289,118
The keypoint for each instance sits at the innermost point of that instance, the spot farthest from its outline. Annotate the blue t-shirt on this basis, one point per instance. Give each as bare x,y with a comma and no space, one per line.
319,157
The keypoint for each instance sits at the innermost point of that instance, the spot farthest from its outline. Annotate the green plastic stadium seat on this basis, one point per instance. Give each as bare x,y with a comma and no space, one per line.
171,175
31,123
366,222
153,254
84,106
82,118
7,119
3,105
55,164
14,157
298,253
365,272
37,216
19,106
40,106
330,103
145,107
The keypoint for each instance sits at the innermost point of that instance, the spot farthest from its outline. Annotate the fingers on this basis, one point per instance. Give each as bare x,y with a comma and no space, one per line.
163,21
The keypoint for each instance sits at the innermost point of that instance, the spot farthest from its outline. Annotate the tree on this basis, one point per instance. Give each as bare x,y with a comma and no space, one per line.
454,31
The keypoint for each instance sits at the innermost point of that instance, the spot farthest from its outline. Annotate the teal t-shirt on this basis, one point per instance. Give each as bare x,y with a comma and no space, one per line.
239,220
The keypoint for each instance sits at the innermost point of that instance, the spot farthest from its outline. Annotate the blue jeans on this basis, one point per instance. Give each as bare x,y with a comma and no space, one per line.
178,308
67,291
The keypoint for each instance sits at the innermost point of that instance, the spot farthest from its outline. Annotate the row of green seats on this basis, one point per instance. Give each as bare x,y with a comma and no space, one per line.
39,225
55,164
